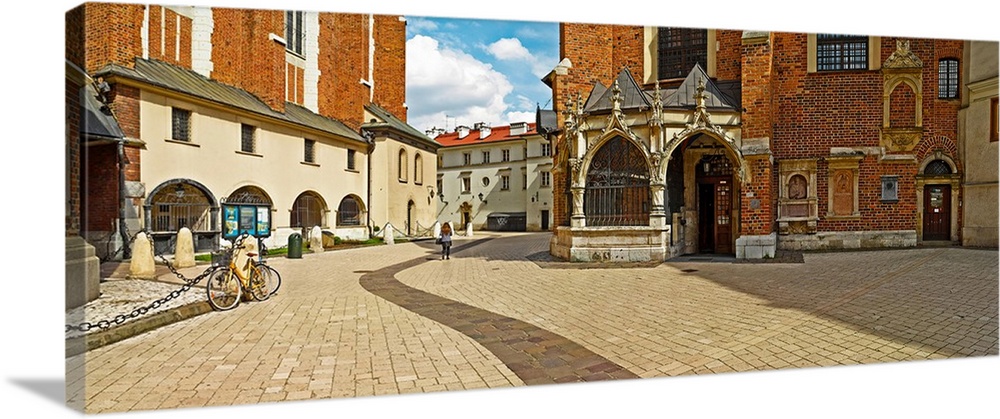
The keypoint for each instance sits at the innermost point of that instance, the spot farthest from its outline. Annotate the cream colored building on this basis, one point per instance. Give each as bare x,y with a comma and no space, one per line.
404,163
201,151
978,144
497,178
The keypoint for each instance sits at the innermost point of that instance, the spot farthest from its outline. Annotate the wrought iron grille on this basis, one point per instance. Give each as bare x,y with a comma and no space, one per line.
841,52
349,212
937,167
679,49
307,211
948,78
180,206
617,190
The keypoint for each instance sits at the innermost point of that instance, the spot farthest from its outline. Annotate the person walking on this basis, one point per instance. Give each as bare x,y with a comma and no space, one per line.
446,241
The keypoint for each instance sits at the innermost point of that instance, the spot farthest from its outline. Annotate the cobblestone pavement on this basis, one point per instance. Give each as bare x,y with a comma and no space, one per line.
397,319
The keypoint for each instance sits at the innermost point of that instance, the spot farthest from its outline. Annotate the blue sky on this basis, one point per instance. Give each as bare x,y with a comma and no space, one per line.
463,71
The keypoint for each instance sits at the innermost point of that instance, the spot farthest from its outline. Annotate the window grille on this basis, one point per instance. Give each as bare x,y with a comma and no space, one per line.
294,31
307,211
617,189
948,78
679,49
175,207
350,160
247,138
180,124
937,167
349,212
841,52
309,152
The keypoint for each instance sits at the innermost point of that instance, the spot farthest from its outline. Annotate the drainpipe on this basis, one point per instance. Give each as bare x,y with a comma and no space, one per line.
126,252
371,148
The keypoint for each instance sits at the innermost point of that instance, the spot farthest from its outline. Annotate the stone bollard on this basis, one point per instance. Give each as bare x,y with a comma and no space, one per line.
142,265
437,229
468,230
316,239
387,235
184,254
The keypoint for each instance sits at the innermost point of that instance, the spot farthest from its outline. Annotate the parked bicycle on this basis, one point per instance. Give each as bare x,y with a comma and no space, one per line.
228,285
271,276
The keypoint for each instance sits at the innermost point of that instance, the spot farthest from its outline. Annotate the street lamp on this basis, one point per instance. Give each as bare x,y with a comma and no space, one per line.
481,198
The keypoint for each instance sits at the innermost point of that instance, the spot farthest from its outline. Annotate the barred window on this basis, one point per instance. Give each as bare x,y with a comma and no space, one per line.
180,124
349,212
248,140
294,31
679,49
418,169
948,78
309,152
841,52
350,160
307,210
994,124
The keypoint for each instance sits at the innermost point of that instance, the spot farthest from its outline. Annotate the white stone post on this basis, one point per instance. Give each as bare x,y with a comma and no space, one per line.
240,256
316,239
468,230
142,265
387,234
437,229
184,253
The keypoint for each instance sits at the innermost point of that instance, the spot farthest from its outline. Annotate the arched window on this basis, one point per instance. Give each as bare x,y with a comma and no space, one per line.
418,169
402,165
180,205
349,211
937,167
617,191
307,211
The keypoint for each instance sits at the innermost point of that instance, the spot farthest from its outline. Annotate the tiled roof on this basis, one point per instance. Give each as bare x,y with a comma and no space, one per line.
497,134
388,120
186,81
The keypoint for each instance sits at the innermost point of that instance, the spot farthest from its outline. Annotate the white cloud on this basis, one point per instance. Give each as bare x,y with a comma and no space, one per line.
420,25
511,49
445,87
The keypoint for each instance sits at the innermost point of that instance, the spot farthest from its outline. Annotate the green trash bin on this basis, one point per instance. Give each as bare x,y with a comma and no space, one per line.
295,246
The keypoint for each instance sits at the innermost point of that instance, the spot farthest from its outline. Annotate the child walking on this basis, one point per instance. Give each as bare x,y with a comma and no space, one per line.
446,241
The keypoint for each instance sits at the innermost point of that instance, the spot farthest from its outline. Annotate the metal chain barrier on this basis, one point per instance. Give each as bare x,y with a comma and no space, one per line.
122,318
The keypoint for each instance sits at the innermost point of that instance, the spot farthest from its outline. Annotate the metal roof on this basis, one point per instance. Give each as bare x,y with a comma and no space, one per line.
683,96
632,96
390,121
546,120
182,80
97,121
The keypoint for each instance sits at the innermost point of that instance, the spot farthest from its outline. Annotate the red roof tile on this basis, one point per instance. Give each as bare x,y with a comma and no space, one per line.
450,139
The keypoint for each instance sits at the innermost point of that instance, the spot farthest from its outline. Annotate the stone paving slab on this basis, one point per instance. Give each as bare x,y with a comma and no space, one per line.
326,336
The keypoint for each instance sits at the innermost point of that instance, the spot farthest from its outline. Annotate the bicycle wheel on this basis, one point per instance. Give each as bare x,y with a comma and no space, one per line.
258,284
223,289
273,278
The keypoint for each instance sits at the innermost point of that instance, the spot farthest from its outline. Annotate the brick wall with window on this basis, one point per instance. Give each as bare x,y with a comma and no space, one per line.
169,36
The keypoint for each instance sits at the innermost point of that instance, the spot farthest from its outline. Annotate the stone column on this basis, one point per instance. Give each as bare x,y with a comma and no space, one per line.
657,218
184,253
579,219
142,265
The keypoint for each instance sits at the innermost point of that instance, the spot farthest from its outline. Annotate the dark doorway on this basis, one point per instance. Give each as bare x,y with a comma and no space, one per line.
937,212
409,218
545,220
706,209
714,175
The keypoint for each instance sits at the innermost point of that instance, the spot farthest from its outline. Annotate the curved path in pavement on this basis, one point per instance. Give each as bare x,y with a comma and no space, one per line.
536,355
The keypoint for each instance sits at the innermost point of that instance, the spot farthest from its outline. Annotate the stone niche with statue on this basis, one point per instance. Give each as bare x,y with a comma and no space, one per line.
797,200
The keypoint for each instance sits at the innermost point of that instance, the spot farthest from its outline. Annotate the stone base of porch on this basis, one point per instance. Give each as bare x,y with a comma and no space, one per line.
612,244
